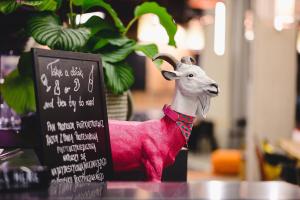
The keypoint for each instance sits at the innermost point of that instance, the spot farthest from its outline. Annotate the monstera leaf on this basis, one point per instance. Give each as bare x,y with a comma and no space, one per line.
87,4
18,92
118,76
47,30
8,6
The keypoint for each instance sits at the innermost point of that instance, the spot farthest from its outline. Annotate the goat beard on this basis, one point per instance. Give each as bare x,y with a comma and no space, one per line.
203,105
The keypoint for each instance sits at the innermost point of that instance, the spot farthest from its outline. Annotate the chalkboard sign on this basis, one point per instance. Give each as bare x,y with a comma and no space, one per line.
71,109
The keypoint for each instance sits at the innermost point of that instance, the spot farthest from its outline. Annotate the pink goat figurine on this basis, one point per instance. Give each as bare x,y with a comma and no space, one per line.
153,145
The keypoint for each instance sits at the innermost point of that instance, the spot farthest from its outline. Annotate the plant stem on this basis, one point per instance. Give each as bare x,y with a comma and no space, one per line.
129,25
71,14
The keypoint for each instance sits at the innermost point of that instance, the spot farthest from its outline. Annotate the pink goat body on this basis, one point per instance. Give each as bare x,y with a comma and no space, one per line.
152,145
149,146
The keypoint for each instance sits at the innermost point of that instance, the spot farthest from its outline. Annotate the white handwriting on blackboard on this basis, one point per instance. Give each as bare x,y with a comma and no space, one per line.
56,88
76,71
71,157
77,84
45,82
51,139
91,80
50,126
55,72
64,137
86,136
62,126
74,148
48,104
88,178
67,89
83,124
78,167
72,103
60,102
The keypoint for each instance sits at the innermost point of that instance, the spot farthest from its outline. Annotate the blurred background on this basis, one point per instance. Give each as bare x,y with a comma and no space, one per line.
250,47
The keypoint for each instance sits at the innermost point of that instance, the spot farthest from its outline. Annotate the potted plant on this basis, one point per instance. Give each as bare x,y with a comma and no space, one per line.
107,37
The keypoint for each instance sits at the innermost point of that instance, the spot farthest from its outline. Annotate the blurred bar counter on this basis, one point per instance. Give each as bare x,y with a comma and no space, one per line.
149,190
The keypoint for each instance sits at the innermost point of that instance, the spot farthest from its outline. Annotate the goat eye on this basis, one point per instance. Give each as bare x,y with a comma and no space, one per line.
190,75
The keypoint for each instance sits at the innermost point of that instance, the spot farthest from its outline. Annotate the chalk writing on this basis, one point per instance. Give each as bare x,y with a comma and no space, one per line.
79,167
76,148
91,80
55,72
72,116
45,82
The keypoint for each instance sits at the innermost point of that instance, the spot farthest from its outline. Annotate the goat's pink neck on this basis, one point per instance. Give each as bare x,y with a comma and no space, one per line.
184,122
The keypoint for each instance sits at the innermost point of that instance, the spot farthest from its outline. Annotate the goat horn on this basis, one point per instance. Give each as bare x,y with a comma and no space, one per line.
188,60
167,57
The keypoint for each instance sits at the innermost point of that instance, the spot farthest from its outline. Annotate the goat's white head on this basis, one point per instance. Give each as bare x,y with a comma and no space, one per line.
191,81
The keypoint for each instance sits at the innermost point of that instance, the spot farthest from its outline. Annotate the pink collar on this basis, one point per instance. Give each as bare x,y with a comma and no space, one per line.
184,122
175,116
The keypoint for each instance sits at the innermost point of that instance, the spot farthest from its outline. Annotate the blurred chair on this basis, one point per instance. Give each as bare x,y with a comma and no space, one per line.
275,165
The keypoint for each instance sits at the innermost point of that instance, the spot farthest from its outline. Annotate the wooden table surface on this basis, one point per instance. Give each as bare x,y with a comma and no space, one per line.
147,190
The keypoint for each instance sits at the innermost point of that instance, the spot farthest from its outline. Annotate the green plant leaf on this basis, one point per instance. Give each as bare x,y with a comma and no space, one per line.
119,76
96,24
9,6
115,54
165,18
18,92
87,4
100,43
45,28
150,50
47,5
118,42
25,64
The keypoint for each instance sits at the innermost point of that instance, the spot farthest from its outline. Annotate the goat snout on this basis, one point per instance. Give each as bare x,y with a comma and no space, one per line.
213,89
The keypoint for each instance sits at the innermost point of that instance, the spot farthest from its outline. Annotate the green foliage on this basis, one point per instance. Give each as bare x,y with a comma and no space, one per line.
150,50
87,4
18,92
9,6
164,18
119,76
46,29
97,35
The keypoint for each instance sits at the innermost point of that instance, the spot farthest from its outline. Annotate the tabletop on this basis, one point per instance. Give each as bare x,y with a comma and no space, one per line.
291,147
166,190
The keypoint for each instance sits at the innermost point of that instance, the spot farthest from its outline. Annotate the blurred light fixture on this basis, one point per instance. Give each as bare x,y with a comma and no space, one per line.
150,30
220,28
195,35
248,26
82,18
284,11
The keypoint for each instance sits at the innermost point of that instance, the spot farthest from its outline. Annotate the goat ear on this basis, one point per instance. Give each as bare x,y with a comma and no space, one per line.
188,60
203,106
169,75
